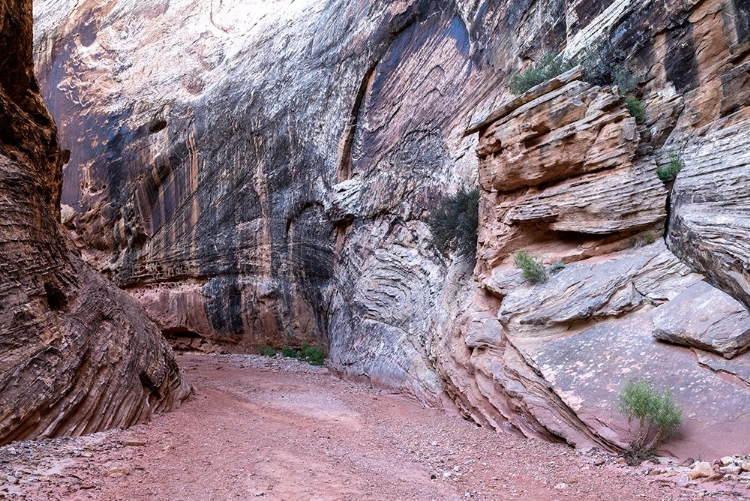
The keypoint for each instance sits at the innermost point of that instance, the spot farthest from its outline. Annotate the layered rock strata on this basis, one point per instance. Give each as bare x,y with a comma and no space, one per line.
77,355
270,184
566,174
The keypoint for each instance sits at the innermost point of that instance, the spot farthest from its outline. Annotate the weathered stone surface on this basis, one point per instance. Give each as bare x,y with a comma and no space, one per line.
593,290
710,206
738,366
274,176
77,355
565,162
701,470
587,369
491,382
566,132
533,94
274,165
704,317
588,328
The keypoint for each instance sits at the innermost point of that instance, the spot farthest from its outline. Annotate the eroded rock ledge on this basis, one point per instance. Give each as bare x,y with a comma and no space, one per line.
77,355
568,175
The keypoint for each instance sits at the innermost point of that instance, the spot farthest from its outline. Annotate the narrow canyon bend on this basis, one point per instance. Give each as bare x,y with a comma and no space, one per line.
228,176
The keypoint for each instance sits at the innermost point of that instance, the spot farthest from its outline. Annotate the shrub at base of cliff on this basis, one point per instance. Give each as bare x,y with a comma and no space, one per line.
533,269
455,221
657,414
548,66
669,172
313,355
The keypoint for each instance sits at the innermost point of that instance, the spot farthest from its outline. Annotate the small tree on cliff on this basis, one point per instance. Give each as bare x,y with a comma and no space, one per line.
455,221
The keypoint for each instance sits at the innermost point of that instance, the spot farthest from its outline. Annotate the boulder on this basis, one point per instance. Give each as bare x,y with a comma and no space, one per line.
591,290
704,317
701,470
709,225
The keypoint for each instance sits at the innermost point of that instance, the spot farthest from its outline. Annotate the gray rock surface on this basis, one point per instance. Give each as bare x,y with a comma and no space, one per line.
704,317
710,215
592,290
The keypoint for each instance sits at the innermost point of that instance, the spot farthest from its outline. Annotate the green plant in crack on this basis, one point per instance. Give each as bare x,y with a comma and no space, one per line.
533,269
548,66
455,221
636,108
669,171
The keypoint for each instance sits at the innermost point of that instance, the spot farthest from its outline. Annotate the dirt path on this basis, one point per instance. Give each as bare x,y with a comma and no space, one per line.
281,430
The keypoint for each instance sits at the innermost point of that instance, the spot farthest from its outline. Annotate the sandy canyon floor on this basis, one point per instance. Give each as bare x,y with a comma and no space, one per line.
283,430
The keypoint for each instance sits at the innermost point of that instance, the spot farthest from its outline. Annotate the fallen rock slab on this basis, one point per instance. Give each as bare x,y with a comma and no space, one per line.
704,317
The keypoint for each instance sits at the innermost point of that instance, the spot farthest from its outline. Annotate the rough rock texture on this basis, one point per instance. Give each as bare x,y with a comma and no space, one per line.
566,174
710,223
580,143
269,183
76,354
704,317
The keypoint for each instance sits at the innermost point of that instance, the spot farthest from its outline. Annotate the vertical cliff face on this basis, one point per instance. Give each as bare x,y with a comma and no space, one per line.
269,185
263,175
77,355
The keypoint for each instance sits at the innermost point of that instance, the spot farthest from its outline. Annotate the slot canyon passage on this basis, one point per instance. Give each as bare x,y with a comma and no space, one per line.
187,185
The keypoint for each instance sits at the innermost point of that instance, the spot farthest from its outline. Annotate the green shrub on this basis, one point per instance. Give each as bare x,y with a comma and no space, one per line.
267,351
657,414
602,65
669,172
314,355
455,221
548,66
533,269
635,108
624,79
289,352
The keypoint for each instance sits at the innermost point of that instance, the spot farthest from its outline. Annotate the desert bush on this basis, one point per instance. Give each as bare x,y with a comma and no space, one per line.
455,221
603,65
267,351
669,172
548,66
657,414
314,355
533,269
289,352
635,108
624,78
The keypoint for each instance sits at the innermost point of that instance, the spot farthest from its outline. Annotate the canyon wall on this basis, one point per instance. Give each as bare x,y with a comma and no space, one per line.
77,355
261,173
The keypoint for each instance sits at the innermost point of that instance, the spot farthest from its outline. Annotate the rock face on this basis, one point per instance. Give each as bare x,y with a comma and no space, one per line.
76,354
568,175
706,318
270,184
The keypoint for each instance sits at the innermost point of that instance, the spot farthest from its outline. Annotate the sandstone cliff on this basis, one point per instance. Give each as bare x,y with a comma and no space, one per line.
77,355
261,173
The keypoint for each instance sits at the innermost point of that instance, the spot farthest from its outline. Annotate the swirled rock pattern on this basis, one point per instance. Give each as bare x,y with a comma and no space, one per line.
263,175
77,355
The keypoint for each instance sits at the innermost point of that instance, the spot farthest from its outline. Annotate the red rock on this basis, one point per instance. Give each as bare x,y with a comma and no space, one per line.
77,355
